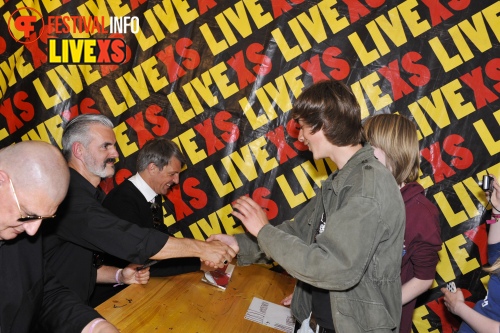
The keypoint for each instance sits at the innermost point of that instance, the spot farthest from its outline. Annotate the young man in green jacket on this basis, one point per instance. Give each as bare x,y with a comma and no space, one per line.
345,245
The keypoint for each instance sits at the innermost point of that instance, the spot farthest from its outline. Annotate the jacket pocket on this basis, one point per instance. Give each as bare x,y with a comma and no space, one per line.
364,315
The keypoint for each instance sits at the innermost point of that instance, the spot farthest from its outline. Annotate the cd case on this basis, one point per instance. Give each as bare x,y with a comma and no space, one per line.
220,277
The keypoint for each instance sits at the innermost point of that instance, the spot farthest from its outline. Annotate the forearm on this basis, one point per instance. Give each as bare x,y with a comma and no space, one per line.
413,288
109,274
478,322
180,248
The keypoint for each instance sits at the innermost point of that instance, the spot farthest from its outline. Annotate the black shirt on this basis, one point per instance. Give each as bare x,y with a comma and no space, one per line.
31,296
83,226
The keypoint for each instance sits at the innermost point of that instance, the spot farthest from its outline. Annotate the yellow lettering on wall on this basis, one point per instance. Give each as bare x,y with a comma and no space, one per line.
228,221
412,18
332,16
308,190
364,55
244,162
156,80
195,153
288,52
447,62
183,115
492,145
420,320
71,76
266,163
146,42
116,109
257,13
423,125
451,217
456,100
89,74
221,188
374,93
461,256
491,15
126,146
54,125
185,11
226,88
293,199
444,268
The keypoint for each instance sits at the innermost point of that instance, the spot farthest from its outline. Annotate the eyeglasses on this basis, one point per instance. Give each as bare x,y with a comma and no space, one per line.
25,218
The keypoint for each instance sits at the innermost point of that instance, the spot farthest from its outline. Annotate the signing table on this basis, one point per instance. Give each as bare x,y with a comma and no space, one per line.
184,303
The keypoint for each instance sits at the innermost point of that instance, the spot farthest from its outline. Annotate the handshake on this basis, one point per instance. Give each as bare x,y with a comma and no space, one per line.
252,217
219,250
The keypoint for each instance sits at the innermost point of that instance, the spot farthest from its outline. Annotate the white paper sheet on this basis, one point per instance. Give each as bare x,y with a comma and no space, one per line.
271,314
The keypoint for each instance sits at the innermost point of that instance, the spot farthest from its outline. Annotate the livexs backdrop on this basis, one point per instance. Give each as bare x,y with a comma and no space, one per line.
219,78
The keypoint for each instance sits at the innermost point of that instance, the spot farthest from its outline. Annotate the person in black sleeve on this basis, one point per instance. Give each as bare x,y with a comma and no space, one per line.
33,181
83,226
138,200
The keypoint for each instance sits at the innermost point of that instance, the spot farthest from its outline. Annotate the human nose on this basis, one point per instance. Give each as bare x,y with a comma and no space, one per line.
32,227
176,179
113,152
301,135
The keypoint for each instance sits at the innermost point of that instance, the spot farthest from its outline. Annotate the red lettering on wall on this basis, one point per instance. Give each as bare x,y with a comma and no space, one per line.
285,151
482,94
199,197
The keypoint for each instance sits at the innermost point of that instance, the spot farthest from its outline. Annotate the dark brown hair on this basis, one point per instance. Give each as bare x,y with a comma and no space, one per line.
331,106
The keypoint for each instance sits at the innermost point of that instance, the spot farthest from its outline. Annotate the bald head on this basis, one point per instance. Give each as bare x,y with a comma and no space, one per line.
36,167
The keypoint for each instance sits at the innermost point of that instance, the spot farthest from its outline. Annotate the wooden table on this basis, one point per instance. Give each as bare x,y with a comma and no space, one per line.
185,304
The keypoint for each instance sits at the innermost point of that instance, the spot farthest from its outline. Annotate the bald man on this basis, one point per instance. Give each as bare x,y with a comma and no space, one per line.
34,178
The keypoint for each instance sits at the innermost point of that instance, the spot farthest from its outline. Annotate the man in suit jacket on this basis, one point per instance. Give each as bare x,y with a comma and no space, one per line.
34,179
138,200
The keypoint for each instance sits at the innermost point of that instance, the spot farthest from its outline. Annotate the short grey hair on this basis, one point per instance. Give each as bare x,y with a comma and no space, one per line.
158,151
77,130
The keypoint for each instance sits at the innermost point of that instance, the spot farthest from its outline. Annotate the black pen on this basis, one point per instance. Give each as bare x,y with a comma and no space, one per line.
146,265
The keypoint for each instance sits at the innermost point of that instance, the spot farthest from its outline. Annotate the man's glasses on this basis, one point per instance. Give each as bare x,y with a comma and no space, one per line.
25,218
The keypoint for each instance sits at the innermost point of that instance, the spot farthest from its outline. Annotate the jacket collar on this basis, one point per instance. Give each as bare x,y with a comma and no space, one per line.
337,179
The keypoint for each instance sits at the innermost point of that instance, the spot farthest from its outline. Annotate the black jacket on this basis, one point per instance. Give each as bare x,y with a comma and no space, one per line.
128,203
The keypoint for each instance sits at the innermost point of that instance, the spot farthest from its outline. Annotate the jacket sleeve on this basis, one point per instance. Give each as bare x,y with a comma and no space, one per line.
250,251
342,253
62,310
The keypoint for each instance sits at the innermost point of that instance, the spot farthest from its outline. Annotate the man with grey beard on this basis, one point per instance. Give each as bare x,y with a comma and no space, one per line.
84,227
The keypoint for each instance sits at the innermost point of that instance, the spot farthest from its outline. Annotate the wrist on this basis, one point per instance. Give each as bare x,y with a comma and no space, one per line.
495,217
119,277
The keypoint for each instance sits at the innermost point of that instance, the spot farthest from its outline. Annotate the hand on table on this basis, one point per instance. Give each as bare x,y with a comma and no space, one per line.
131,276
287,300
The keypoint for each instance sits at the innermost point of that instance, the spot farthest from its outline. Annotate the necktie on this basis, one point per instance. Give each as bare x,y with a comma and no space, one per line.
157,212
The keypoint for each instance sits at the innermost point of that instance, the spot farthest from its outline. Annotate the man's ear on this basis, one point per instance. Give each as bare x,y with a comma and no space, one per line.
77,150
152,167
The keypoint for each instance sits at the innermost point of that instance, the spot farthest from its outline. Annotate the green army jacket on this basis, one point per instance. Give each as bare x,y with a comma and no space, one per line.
357,257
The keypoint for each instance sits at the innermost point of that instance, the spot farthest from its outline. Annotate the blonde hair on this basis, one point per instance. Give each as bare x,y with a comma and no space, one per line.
397,136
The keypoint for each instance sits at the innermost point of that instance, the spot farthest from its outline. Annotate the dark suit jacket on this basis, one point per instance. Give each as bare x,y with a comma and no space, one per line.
29,295
128,203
